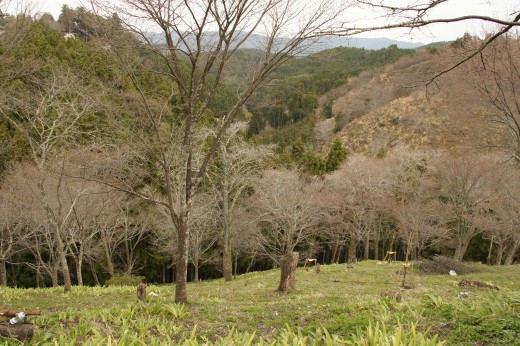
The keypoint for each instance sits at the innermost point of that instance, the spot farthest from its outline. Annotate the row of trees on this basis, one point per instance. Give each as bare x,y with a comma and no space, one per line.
421,202
146,120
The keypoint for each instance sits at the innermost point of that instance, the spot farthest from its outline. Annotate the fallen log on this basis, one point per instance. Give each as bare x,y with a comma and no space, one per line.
13,313
19,331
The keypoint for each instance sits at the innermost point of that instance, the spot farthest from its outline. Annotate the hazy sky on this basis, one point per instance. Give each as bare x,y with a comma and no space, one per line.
439,32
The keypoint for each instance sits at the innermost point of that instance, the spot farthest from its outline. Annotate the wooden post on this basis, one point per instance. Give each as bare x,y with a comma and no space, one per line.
141,292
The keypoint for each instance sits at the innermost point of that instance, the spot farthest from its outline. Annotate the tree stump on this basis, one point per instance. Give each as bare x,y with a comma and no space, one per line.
141,292
19,331
288,274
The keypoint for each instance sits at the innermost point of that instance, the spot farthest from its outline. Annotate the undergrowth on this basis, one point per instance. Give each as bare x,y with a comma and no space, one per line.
338,306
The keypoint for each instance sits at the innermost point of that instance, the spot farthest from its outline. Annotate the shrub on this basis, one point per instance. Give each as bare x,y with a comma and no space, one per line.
124,280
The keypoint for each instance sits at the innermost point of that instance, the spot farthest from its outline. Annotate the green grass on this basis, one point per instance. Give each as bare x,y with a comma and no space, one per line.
338,306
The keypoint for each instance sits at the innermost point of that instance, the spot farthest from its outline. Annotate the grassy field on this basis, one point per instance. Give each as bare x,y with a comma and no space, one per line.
338,306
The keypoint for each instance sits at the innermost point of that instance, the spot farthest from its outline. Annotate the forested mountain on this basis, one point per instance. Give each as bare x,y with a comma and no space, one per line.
339,155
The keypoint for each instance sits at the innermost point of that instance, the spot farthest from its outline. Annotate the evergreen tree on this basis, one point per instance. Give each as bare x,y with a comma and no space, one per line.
336,156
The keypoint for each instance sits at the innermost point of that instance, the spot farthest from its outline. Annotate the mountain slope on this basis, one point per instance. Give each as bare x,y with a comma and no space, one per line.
397,107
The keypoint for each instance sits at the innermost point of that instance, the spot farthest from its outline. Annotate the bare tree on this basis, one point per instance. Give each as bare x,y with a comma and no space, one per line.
204,233
14,226
288,215
48,112
199,39
467,183
352,193
237,164
495,74
49,219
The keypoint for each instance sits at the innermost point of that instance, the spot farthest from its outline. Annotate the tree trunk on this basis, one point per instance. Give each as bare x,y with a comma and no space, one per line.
366,252
227,259
128,253
3,273
338,254
227,264
511,253
376,245
181,267
490,252
461,248
94,274
54,274
236,265
334,252
351,251
79,265
500,253
108,258
288,272
67,284
196,270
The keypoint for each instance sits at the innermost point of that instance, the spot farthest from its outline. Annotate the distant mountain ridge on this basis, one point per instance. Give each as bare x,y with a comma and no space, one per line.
366,43
256,41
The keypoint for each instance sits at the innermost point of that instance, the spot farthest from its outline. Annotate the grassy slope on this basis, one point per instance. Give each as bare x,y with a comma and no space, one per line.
339,299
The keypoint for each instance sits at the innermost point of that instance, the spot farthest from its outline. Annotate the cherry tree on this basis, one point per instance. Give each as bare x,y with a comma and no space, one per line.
288,215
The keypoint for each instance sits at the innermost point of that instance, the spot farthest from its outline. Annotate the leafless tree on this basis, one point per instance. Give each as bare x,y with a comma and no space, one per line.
199,39
498,219
48,112
414,199
352,193
236,166
47,220
495,73
204,233
288,215
14,226
467,184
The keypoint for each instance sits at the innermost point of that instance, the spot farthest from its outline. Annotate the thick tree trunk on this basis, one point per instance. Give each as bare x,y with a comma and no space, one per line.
513,249
461,248
181,267
67,283
227,264
3,273
54,274
288,272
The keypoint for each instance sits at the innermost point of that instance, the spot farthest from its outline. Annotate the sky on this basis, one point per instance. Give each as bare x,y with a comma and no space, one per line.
438,32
